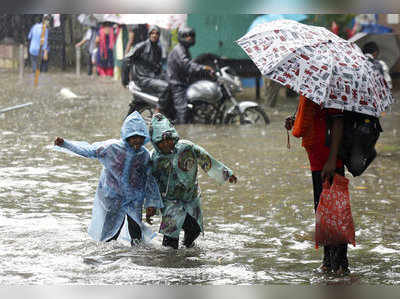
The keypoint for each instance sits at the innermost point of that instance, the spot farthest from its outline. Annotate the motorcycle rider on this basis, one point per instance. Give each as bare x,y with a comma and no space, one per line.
180,67
144,60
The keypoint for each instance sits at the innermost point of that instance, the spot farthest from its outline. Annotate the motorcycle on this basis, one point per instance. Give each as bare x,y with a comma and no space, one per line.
209,102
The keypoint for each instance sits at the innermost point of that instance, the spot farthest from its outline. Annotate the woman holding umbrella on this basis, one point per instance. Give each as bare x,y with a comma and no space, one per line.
311,125
332,76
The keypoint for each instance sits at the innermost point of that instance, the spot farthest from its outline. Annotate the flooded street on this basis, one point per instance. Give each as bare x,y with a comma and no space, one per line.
258,231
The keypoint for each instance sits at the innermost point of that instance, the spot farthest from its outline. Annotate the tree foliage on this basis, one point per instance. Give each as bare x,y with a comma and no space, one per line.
344,21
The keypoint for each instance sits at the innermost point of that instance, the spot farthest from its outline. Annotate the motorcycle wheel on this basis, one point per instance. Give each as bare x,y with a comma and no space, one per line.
203,112
252,116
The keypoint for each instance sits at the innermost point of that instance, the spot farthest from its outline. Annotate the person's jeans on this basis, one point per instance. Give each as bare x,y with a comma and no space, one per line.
34,61
44,66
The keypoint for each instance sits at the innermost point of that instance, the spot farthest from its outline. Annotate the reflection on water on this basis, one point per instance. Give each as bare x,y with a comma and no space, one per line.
256,232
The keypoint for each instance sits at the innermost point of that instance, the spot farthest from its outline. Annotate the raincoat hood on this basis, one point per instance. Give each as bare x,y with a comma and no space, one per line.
160,129
134,124
154,27
157,29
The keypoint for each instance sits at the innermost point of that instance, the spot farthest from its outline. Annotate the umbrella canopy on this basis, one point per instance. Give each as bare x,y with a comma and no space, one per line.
166,21
313,61
112,18
88,20
273,17
389,45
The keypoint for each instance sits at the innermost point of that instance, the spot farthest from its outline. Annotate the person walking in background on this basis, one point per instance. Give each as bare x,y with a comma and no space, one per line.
35,46
175,164
44,65
105,41
136,34
122,37
371,50
90,41
312,124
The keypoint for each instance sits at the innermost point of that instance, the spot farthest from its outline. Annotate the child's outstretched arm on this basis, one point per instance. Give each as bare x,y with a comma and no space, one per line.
78,147
213,167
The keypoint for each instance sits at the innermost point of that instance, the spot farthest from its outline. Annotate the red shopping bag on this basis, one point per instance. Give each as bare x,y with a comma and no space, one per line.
333,219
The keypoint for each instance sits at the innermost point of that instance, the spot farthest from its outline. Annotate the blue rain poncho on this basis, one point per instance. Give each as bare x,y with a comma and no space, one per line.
125,182
176,174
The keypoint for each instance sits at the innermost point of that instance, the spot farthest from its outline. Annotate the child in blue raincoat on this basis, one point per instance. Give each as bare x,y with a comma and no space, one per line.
125,184
175,167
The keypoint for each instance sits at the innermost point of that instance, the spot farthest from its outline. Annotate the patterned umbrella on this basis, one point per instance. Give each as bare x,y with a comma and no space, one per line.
273,17
313,61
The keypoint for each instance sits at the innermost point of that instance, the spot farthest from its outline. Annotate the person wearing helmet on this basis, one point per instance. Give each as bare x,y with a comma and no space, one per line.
180,67
144,63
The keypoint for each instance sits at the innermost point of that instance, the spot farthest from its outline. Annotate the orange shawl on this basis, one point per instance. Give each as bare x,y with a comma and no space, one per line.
304,123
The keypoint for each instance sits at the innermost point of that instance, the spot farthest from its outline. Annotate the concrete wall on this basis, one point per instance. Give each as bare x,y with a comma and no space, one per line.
383,19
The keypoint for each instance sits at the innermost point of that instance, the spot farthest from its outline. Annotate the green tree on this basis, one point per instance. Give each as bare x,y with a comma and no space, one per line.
342,20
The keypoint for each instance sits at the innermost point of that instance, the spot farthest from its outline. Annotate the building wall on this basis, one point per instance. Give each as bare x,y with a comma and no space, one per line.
217,34
383,19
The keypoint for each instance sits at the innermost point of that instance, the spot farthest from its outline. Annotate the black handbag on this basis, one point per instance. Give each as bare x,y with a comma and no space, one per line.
360,134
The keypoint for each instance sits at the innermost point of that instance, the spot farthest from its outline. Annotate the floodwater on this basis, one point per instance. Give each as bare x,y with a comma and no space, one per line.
258,231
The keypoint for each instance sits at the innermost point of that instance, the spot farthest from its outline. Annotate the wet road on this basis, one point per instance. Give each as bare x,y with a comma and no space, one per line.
256,232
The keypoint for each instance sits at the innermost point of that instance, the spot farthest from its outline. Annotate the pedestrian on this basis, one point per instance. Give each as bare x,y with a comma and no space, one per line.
371,50
180,68
136,34
125,184
144,63
89,40
44,64
122,37
37,48
105,42
313,123
175,167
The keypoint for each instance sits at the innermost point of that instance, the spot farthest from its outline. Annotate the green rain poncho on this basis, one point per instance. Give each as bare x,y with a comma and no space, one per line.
176,175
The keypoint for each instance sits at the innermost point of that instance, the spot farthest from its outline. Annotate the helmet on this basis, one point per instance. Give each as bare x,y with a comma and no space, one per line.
184,32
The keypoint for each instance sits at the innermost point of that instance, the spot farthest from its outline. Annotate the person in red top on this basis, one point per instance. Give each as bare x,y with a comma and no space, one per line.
321,131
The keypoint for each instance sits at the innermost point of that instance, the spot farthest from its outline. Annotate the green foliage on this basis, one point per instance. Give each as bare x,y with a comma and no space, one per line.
174,38
343,21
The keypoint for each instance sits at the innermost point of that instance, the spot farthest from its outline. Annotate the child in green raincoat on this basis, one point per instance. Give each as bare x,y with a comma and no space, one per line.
175,167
